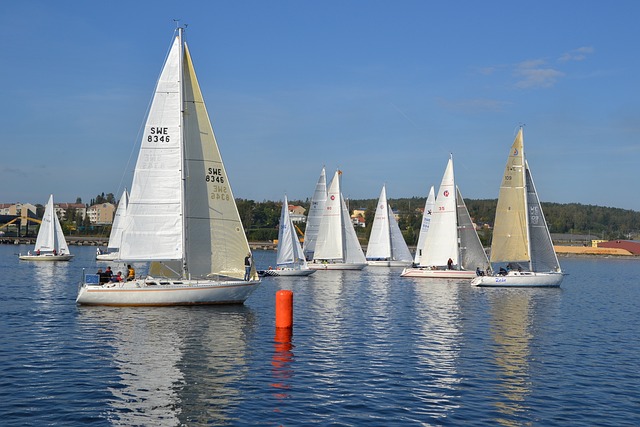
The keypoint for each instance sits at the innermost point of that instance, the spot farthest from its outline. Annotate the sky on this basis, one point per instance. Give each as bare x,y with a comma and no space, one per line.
383,90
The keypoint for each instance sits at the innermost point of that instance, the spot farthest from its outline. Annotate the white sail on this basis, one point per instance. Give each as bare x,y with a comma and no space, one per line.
181,206
441,242
379,246
50,237
337,239
289,249
386,241
316,210
115,237
154,226
424,228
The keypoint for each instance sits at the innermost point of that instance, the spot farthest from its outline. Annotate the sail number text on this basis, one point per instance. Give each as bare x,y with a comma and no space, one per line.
157,134
214,175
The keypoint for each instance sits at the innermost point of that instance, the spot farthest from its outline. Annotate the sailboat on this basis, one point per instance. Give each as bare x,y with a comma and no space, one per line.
521,248
50,243
314,217
452,249
115,237
424,227
181,217
290,259
337,247
386,247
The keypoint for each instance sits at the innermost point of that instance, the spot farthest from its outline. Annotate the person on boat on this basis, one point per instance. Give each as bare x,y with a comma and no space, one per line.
55,252
479,272
131,273
118,277
38,252
109,273
450,264
247,266
103,277
503,271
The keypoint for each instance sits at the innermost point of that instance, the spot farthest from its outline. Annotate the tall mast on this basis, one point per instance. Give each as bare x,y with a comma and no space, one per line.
182,154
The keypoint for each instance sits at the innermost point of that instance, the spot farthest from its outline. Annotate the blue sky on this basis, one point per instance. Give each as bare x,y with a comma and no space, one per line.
382,90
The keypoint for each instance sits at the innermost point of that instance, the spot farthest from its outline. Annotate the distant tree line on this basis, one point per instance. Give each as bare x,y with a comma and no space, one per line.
260,219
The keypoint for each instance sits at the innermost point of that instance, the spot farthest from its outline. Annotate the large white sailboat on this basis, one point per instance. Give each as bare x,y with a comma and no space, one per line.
290,259
337,247
115,237
50,243
314,218
424,227
452,249
182,216
521,248
386,247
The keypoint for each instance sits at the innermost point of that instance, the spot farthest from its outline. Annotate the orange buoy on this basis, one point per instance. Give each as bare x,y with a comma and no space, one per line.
284,309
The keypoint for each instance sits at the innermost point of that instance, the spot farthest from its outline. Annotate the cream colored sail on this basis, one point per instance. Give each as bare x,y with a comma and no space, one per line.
510,237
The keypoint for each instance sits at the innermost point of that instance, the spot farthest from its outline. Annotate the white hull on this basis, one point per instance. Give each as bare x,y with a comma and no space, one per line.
289,272
46,257
389,263
107,257
160,292
336,266
438,274
520,279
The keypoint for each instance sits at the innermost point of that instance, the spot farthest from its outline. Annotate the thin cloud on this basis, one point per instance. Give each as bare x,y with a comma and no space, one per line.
578,54
536,73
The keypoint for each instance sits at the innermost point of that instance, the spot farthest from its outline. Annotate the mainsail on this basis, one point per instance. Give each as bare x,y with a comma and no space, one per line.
289,249
424,228
316,210
510,243
50,236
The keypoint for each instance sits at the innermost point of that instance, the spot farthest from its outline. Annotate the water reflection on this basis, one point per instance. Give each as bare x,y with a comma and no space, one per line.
49,276
510,327
282,371
438,345
175,365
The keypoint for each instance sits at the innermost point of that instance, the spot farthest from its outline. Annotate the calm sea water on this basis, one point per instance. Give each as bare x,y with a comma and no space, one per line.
368,348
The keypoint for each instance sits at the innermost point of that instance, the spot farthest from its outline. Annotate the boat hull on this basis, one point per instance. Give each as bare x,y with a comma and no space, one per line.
46,257
289,272
388,263
525,279
107,257
161,292
336,266
438,274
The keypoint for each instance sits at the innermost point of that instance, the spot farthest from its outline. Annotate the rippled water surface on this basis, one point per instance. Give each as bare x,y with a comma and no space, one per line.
367,348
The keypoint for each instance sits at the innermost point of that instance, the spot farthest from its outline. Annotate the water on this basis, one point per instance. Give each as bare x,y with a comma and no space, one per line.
368,348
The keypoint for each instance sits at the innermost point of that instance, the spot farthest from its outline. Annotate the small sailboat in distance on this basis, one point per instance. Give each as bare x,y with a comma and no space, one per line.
386,247
521,249
316,209
115,237
337,247
50,243
452,249
182,217
290,259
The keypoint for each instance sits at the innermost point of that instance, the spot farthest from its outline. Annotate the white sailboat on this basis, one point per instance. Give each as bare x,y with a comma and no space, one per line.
424,227
115,237
386,247
290,259
452,249
182,216
50,243
337,247
521,245
316,210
